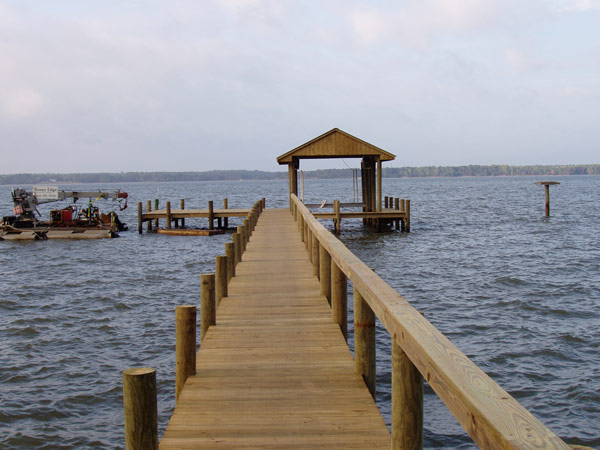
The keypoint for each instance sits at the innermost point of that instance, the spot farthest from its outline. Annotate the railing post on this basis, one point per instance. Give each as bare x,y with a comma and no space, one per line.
315,256
208,311
325,273
364,341
339,298
309,235
407,401
140,227
220,278
230,252
185,345
139,405
168,226
306,231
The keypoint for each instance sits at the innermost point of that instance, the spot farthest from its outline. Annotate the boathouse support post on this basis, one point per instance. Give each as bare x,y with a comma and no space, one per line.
211,215
140,408
140,226
208,310
407,401
149,208
339,298
325,273
230,253
169,218
315,256
238,247
364,341
185,345
220,278
379,176
225,219
182,204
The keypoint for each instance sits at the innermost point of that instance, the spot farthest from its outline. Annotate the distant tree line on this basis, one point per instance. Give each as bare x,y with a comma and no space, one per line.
234,175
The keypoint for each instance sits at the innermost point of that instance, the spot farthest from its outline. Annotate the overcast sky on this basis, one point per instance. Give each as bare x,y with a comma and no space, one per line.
88,86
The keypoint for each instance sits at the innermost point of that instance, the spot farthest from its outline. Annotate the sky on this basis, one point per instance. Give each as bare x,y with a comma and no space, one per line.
195,85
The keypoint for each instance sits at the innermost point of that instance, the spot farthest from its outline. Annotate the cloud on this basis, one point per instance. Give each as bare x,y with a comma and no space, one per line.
576,5
20,102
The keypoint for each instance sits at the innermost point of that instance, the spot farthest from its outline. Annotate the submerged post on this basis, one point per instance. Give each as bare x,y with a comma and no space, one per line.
185,345
208,311
139,405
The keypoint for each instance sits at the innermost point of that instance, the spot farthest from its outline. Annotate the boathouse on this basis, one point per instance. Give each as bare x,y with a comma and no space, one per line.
339,144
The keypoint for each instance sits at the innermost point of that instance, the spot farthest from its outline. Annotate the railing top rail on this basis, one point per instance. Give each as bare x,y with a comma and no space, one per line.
491,416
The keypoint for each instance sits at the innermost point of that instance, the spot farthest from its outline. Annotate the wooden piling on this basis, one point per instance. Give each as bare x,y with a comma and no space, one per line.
182,205
338,217
230,253
315,256
149,208
364,341
156,207
246,226
139,405
339,298
387,201
225,219
240,232
208,311
325,273
407,227
379,176
407,401
169,218
185,345
211,216
140,227
220,278
237,246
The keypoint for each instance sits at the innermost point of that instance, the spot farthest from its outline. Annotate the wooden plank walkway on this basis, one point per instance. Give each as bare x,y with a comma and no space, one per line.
275,372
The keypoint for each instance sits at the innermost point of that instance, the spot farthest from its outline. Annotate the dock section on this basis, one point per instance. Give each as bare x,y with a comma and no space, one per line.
275,371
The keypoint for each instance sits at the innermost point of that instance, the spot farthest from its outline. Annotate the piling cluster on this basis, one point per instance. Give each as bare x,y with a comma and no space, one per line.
139,384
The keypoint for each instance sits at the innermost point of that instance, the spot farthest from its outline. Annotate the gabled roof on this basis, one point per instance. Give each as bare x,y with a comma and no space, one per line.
335,144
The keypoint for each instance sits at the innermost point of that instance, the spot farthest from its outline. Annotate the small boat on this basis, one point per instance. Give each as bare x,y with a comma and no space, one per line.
70,222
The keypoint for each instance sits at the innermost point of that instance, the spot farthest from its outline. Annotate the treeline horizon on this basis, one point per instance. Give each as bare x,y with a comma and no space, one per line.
236,175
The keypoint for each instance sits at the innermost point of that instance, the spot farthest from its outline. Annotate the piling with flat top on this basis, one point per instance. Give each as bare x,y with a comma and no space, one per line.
546,185
139,405
407,401
169,217
156,207
149,208
339,298
220,278
208,310
182,204
225,219
364,341
246,225
325,273
230,253
407,227
211,216
240,232
338,217
185,345
140,228
237,245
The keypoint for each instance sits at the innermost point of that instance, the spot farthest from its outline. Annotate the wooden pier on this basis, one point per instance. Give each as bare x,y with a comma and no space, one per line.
274,371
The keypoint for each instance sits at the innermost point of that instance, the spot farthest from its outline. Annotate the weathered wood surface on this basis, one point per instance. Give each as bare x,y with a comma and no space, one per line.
275,372
383,214
487,412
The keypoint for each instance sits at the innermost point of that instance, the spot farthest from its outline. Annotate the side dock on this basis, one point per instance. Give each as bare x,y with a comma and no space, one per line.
274,370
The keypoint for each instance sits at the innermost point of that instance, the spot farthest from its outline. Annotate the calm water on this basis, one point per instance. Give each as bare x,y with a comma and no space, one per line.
517,292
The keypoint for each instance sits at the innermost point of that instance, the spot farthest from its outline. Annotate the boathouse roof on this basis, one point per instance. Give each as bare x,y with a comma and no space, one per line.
335,144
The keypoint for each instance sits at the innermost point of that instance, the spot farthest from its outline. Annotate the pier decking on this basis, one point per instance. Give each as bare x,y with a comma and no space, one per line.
275,371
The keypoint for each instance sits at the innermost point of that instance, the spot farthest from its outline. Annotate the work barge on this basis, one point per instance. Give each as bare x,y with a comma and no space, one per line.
274,370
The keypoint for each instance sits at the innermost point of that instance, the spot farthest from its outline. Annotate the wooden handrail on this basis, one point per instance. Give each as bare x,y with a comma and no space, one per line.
492,417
